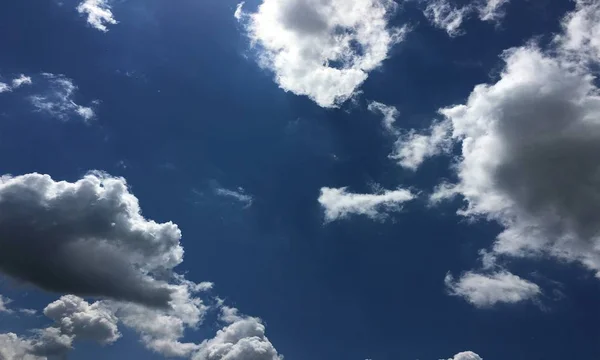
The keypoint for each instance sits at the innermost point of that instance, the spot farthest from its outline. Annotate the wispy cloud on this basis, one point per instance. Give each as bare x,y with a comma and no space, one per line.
444,15
239,195
58,99
389,113
239,11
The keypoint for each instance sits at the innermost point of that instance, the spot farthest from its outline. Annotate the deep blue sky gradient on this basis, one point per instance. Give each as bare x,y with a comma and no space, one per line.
184,107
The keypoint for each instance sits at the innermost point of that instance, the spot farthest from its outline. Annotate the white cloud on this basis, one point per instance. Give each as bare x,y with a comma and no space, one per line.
466,355
389,113
12,347
581,31
446,16
238,195
239,11
339,204
242,339
29,312
99,13
15,83
4,87
58,100
3,303
487,290
323,49
413,148
162,329
76,317
20,81
88,229
491,10
529,145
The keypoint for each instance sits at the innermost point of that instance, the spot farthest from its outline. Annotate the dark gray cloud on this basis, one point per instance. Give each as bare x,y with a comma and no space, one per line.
86,238
50,342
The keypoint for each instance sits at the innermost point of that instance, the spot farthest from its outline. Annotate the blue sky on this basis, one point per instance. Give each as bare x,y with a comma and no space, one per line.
299,179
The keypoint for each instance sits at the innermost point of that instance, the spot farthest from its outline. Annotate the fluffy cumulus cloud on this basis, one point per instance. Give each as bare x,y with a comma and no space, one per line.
323,49
466,355
389,113
12,347
487,290
98,12
339,203
87,237
76,317
581,35
242,339
529,145
50,342
162,329
58,99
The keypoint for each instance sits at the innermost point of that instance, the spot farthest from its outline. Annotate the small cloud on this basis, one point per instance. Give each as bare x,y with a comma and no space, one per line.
4,302
29,312
491,10
389,113
238,195
488,290
413,148
339,204
466,355
239,12
3,305
20,81
87,113
99,14
4,87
